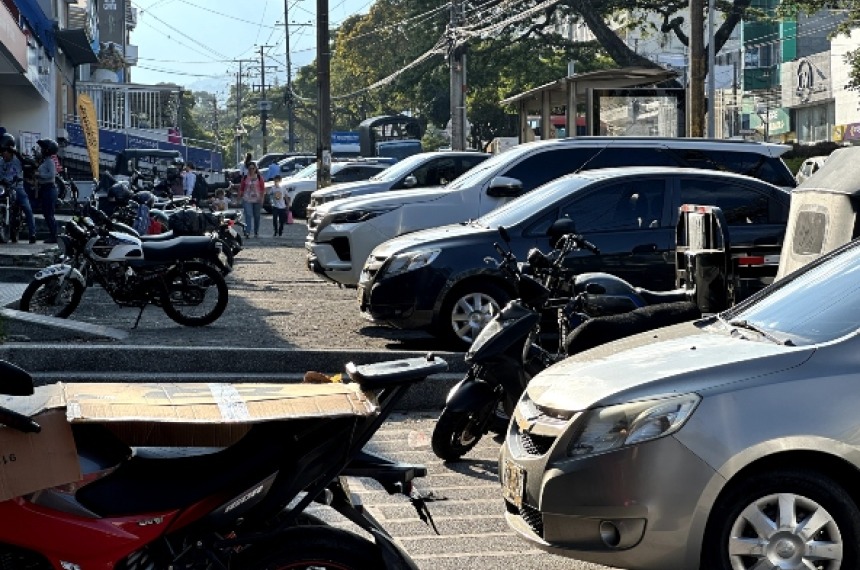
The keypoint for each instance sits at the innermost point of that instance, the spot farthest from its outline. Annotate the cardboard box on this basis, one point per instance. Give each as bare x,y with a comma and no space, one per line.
201,415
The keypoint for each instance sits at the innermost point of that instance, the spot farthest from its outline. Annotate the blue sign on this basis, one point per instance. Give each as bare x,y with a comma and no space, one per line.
344,137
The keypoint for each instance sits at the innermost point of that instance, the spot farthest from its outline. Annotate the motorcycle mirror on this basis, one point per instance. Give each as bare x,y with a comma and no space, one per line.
560,228
503,231
16,380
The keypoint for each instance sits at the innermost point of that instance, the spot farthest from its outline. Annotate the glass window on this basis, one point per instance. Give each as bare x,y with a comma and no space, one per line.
432,173
540,168
769,169
818,305
740,204
629,156
621,206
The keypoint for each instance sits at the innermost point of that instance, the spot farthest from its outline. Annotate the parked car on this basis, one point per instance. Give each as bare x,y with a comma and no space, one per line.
342,234
809,167
304,183
291,165
727,443
443,279
423,170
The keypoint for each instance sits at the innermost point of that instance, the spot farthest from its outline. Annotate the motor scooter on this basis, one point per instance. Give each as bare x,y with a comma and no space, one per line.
242,506
512,348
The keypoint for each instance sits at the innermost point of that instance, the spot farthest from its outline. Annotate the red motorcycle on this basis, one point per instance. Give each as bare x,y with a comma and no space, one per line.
244,506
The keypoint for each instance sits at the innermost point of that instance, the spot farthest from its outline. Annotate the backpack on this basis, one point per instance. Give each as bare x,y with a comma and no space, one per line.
186,223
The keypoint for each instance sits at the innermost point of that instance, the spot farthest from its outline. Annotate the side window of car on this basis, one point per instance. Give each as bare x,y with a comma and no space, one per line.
432,173
542,167
612,157
740,204
469,162
619,206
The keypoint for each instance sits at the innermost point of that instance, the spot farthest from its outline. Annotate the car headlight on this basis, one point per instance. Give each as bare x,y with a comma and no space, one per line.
350,217
605,429
410,261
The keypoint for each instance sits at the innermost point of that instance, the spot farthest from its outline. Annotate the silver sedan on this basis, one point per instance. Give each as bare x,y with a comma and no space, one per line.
730,443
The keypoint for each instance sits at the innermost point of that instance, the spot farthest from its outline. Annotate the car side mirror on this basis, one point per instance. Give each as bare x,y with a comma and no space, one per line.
16,381
505,187
410,181
560,228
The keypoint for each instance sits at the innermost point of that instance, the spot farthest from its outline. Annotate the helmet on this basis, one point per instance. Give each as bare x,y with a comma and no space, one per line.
144,197
49,147
7,142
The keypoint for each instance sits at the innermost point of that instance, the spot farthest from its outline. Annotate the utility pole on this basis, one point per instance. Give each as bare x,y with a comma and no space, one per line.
239,128
323,97
457,61
696,84
712,80
289,95
264,103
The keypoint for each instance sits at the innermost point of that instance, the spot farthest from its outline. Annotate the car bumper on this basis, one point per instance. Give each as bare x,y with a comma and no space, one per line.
405,301
630,508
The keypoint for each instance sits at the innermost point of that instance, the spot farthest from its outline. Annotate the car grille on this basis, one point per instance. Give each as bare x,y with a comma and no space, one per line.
535,444
530,515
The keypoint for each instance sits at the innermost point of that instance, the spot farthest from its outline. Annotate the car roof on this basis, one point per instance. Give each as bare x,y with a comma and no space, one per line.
771,149
617,172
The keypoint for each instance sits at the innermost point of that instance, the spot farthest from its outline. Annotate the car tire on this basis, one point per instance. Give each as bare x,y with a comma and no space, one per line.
300,205
748,524
466,311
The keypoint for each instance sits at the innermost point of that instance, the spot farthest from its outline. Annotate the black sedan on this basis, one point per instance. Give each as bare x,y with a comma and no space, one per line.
445,280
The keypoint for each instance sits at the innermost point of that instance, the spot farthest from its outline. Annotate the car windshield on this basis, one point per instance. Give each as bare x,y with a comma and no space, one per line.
525,207
400,169
817,305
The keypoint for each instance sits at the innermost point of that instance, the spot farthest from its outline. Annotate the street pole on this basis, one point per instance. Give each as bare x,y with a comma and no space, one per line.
289,95
711,65
696,84
324,96
457,60
264,103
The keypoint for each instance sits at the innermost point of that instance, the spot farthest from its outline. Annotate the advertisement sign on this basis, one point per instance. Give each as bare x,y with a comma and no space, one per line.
112,22
852,132
807,80
90,128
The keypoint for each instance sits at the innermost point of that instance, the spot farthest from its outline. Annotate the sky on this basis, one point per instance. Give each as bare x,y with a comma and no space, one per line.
195,43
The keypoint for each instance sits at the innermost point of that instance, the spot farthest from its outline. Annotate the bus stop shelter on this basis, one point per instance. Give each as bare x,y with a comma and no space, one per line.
569,91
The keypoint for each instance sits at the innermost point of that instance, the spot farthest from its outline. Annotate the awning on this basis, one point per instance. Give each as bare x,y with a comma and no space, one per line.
76,46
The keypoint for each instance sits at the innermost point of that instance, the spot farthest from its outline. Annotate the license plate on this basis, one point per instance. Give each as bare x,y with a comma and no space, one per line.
513,482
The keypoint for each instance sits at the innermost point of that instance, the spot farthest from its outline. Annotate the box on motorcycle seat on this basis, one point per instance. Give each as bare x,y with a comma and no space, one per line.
161,415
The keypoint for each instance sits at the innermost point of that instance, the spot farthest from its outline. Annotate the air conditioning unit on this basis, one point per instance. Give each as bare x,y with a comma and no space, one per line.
131,18
131,54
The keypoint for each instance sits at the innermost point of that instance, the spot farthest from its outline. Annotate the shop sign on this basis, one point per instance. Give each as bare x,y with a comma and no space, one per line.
852,132
807,80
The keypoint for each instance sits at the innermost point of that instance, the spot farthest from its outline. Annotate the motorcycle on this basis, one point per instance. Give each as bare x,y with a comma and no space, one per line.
242,506
512,349
180,275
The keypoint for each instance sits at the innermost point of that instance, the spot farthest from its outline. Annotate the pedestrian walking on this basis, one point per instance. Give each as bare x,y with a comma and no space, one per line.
280,203
251,192
273,170
46,184
189,178
220,202
12,178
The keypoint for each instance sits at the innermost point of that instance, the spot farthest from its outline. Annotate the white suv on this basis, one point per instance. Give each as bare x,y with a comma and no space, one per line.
341,234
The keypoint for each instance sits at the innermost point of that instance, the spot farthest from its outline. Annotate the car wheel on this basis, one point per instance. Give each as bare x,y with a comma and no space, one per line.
300,205
786,519
467,310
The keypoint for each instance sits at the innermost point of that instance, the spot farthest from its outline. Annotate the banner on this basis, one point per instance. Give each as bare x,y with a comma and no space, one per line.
87,114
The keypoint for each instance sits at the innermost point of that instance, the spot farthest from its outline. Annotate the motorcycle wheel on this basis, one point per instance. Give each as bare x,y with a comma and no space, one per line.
319,548
196,294
456,433
52,297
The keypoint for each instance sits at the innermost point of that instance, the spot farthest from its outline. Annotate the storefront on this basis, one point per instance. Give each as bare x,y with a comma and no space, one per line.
807,91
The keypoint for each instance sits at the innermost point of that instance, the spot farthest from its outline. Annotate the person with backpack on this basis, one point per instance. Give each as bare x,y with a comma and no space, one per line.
251,192
200,194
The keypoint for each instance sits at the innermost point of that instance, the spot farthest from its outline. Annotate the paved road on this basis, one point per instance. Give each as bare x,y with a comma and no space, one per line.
469,516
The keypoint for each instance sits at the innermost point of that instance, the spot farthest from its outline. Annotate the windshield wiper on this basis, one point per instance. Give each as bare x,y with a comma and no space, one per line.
744,324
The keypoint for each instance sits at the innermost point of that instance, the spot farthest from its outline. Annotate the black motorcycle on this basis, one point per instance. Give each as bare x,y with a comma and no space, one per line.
178,275
514,346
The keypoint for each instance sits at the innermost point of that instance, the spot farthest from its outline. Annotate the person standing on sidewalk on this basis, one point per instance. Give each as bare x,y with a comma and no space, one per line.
189,178
251,192
280,203
12,177
46,183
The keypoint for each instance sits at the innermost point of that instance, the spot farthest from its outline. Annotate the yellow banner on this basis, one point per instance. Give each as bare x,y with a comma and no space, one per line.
87,114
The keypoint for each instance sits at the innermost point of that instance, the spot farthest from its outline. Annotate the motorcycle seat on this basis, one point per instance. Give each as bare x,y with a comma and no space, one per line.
159,237
657,297
164,479
184,247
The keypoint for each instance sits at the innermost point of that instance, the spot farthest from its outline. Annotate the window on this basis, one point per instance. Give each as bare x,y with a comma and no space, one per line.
766,168
614,157
540,168
740,204
435,172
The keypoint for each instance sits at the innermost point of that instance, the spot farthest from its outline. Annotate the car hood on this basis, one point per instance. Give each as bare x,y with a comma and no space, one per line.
444,236
382,201
689,357
360,186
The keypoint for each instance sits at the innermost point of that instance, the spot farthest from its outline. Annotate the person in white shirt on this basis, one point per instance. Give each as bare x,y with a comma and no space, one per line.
280,203
188,179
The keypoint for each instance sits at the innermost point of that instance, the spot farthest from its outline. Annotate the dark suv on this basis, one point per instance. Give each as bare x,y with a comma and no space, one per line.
446,280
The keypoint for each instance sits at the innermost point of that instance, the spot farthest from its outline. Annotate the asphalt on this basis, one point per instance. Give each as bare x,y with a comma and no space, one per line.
74,350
